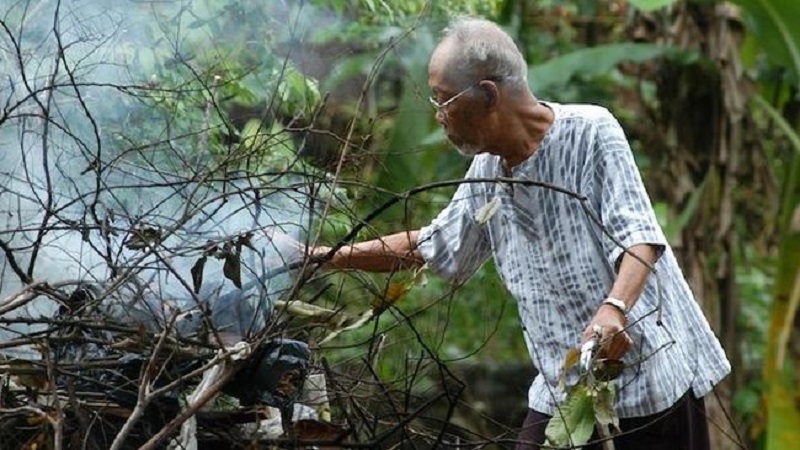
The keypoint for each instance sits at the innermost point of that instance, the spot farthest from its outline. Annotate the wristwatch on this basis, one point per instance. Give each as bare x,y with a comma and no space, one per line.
616,303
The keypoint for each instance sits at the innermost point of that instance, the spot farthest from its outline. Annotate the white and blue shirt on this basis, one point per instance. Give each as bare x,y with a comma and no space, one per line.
559,264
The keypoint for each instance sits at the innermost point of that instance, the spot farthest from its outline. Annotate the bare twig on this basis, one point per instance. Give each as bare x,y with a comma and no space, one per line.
144,396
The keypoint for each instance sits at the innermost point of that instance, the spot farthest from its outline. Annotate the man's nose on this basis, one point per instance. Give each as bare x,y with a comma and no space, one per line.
440,117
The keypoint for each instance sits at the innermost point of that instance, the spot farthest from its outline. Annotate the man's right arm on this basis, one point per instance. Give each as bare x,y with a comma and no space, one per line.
386,254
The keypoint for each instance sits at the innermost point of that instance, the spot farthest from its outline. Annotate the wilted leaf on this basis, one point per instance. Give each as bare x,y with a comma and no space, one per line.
393,293
247,241
27,374
351,323
487,211
232,269
573,424
604,405
607,369
129,344
315,430
572,358
197,274
143,237
332,319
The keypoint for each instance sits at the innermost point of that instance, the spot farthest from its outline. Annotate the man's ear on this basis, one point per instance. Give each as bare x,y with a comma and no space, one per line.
491,93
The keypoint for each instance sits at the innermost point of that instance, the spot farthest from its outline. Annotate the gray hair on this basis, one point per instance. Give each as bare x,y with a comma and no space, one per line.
484,50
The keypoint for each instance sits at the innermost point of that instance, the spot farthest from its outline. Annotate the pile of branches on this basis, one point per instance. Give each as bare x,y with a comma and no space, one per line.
84,379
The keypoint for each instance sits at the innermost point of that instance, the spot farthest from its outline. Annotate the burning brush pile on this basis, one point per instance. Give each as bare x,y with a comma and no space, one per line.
151,246
172,336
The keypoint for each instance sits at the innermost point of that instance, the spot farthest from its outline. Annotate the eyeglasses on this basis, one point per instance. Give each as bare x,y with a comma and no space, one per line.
440,106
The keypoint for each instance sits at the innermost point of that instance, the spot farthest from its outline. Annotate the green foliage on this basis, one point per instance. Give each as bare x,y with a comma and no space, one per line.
651,5
387,12
223,58
674,226
573,423
772,21
794,139
549,77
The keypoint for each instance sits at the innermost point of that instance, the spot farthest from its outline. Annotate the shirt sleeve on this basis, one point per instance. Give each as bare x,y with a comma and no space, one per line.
625,209
454,245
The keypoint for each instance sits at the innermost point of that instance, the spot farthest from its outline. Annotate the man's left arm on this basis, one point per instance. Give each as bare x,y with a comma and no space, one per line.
626,214
610,319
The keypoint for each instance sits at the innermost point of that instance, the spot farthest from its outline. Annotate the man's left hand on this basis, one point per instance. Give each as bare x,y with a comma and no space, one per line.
609,323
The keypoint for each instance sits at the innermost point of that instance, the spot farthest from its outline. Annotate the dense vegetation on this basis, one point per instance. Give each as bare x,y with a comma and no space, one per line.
334,93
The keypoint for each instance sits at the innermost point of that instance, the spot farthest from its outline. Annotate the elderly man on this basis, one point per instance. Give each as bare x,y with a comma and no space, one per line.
572,278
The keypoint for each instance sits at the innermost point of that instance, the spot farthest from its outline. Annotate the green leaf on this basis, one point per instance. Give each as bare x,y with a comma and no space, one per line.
780,121
689,210
593,61
573,423
774,23
650,5
604,411
794,139
347,69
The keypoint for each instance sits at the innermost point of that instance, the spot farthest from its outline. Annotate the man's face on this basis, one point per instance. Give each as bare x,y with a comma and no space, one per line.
455,106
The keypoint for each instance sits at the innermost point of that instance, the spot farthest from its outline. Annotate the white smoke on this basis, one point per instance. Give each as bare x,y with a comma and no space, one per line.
77,222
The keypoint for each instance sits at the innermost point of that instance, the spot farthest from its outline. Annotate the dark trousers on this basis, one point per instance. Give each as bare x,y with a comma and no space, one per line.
681,427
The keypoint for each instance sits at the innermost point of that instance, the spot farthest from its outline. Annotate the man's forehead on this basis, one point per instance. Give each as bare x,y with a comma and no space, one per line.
440,62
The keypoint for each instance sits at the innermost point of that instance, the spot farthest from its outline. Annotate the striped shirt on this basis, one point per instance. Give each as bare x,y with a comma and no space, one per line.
559,264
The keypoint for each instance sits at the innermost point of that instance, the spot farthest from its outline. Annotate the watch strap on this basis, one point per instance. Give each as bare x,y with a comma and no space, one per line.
617,303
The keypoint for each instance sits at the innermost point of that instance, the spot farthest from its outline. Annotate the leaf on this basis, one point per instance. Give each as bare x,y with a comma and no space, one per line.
349,325
25,373
142,237
573,423
794,139
396,290
315,430
773,22
232,269
572,358
328,317
197,273
607,369
650,5
592,61
246,240
487,211
689,210
604,411
393,293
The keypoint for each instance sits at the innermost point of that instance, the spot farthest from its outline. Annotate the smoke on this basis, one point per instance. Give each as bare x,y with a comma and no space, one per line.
110,173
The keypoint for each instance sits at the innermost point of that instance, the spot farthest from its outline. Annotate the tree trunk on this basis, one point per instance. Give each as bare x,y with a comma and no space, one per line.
701,123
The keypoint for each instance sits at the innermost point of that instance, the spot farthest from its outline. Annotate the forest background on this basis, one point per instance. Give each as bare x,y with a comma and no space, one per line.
707,92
